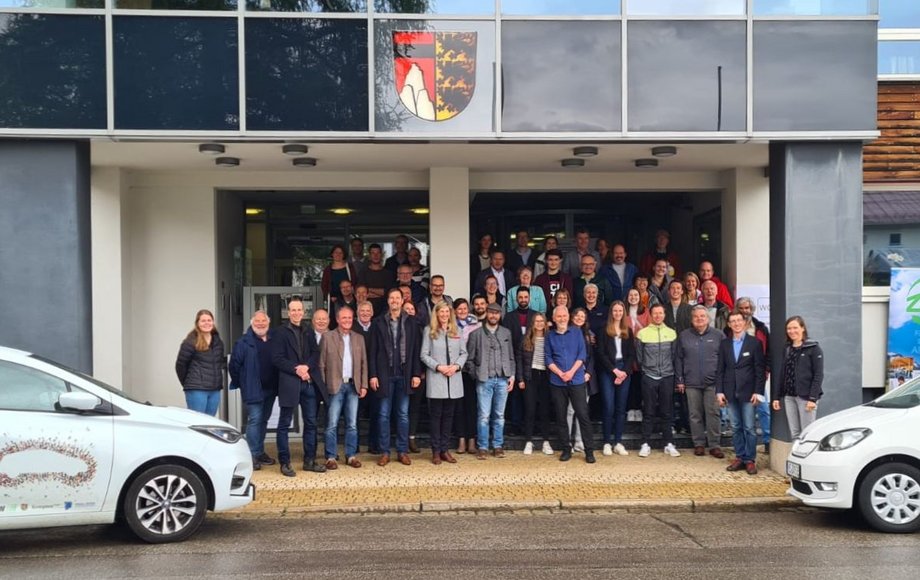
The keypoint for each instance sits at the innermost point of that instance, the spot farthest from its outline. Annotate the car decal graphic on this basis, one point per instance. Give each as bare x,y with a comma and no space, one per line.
56,446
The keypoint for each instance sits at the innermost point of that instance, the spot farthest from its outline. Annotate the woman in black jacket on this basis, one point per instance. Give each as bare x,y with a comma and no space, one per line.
616,353
201,365
800,381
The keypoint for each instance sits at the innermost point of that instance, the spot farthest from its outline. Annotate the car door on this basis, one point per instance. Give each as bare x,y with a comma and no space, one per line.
52,462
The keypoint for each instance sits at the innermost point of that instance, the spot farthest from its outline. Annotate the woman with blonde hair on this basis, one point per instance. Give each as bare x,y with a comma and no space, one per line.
617,355
535,383
692,293
201,365
444,354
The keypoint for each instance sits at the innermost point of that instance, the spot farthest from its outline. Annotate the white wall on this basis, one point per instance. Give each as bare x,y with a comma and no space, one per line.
106,242
874,336
449,227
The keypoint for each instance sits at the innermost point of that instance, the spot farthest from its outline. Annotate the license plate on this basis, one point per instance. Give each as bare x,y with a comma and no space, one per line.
793,470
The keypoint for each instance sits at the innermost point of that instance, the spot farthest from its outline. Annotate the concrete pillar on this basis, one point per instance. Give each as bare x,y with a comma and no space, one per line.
449,227
45,271
816,263
106,211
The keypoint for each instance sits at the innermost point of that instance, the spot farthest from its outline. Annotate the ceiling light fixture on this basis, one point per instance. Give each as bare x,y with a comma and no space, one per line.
211,148
643,163
341,211
304,162
585,151
573,162
254,211
294,149
664,151
227,161
420,210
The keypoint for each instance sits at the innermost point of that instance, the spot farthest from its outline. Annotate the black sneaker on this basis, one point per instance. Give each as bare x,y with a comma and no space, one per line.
286,470
256,464
766,448
589,457
311,465
566,454
265,459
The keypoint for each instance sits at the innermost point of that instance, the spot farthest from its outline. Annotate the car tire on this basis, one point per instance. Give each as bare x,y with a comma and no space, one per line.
889,498
166,503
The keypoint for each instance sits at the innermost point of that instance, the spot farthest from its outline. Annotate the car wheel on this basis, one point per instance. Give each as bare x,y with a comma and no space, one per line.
165,503
889,498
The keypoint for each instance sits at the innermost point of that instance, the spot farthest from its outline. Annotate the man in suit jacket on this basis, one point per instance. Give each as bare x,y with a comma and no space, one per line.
491,360
521,254
394,368
296,356
506,278
343,364
740,379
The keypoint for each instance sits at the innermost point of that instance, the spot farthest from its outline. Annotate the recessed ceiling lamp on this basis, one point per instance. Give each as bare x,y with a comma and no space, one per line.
227,161
573,162
211,148
420,210
341,211
664,151
643,163
586,151
294,149
304,162
254,211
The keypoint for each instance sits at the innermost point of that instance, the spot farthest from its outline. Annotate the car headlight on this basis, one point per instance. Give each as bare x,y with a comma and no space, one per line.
803,448
225,434
843,439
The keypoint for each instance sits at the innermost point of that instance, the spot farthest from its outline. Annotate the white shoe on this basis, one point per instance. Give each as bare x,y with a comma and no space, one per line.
645,450
620,450
528,448
608,450
669,449
638,416
630,416
579,447
547,448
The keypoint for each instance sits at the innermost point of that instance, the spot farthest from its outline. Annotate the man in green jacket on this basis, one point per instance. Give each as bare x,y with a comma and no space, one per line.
655,352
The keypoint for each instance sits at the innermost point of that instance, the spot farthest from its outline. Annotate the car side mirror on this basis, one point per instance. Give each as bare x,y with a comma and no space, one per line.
78,401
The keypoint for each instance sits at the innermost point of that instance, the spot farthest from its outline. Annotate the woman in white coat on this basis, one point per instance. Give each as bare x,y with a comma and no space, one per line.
443,354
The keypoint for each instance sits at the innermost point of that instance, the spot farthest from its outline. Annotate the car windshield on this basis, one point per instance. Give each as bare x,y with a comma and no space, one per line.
88,378
903,397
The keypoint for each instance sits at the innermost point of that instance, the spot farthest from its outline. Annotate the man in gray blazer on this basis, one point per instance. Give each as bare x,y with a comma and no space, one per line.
343,364
491,360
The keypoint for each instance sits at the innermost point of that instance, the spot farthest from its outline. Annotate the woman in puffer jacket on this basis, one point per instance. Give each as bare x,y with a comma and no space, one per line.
800,381
201,365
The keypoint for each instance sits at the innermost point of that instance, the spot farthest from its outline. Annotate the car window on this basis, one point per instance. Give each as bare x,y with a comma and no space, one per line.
89,379
903,397
26,389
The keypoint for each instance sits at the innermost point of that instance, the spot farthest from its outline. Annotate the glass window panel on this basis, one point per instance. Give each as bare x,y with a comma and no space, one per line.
899,14
815,7
306,74
434,76
176,73
815,76
687,76
472,7
176,4
899,57
307,5
569,84
52,3
686,7
560,7
52,71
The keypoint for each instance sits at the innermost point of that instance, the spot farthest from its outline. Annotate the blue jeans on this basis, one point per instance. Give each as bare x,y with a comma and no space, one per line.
309,402
744,438
763,414
615,400
397,399
254,434
492,396
346,398
206,402
268,405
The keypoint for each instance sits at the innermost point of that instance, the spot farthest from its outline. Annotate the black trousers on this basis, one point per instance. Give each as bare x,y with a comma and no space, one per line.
537,404
657,401
416,398
441,418
465,410
578,398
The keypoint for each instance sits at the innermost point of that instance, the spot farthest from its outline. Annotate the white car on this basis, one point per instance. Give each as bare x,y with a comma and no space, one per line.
866,457
75,451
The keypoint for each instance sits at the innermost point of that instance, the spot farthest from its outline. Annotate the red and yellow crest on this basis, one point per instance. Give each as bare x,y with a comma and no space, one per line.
435,72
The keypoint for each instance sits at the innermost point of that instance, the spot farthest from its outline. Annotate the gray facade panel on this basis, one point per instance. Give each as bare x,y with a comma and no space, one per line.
816,262
45,276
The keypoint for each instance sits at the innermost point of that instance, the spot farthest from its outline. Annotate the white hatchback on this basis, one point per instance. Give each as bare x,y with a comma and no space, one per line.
75,451
868,457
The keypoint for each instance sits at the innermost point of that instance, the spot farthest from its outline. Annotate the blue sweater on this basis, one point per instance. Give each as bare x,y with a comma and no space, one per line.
563,350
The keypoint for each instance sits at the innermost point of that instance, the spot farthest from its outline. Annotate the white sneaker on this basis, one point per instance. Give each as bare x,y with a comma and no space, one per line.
620,450
608,450
645,450
669,449
630,416
638,416
547,448
528,448
579,447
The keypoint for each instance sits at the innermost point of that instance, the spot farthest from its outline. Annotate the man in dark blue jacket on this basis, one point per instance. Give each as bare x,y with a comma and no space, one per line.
740,378
296,356
252,372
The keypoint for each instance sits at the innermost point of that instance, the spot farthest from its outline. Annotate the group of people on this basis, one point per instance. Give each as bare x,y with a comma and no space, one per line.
528,345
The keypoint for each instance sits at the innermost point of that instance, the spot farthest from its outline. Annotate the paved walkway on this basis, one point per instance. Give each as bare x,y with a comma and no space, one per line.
685,483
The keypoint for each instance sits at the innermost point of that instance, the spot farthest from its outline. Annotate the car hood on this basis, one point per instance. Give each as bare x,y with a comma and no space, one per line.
852,418
180,417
